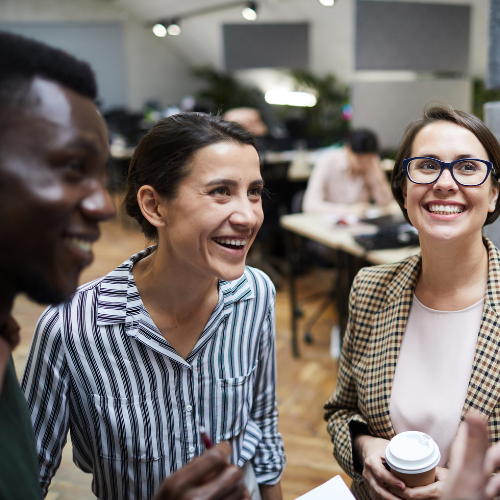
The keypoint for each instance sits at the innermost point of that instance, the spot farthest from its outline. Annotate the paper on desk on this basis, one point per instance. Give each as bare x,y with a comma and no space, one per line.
333,489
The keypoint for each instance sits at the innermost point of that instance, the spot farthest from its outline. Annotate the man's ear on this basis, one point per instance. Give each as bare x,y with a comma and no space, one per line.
152,206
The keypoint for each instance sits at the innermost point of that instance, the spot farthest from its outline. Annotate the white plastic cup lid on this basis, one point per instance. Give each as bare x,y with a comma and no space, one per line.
412,452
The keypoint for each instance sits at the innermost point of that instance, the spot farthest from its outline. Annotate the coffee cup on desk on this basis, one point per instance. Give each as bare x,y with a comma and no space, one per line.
413,457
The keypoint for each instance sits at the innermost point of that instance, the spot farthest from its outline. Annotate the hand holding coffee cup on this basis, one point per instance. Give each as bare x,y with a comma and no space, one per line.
413,457
379,482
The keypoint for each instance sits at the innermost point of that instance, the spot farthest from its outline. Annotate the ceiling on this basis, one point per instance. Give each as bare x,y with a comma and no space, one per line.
155,9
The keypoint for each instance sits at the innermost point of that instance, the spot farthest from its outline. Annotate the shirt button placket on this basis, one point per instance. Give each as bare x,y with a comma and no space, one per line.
188,409
189,417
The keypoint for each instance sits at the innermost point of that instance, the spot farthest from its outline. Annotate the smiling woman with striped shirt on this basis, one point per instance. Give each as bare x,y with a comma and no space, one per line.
179,336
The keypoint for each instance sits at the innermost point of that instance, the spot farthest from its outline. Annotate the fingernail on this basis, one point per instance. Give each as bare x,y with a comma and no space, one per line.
401,485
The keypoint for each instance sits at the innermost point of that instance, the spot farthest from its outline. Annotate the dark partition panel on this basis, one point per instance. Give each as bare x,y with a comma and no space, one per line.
266,46
493,80
412,36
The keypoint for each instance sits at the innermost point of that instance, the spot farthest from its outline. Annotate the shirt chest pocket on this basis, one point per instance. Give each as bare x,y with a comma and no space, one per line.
234,403
129,428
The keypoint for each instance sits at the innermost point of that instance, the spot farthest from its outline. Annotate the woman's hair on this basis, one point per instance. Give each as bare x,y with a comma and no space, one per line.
161,159
448,114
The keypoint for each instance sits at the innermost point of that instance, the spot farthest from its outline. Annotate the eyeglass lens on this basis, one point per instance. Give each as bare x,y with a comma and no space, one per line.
466,172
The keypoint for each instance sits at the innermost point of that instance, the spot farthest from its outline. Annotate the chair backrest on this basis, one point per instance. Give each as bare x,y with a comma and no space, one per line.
297,199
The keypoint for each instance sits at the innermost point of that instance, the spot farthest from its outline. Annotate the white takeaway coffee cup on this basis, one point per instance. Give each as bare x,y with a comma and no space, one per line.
413,457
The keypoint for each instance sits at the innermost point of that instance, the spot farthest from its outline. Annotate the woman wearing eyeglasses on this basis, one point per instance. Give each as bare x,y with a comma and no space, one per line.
423,341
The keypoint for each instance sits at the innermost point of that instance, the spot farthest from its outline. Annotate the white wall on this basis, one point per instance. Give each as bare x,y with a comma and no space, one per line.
388,107
154,68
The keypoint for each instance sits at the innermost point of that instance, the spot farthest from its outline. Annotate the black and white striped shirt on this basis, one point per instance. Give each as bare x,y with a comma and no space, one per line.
99,365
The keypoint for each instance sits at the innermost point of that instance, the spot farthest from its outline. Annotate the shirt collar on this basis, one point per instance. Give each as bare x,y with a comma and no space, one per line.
236,291
119,301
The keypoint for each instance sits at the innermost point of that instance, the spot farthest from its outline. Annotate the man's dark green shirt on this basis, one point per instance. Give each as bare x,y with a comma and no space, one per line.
18,457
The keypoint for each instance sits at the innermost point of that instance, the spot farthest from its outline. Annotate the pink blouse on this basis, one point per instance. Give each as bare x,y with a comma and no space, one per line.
433,371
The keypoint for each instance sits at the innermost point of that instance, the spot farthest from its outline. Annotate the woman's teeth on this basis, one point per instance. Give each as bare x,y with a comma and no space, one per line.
233,243
445,209
84,245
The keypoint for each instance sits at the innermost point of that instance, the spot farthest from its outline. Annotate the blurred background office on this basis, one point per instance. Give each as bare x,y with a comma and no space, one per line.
301,74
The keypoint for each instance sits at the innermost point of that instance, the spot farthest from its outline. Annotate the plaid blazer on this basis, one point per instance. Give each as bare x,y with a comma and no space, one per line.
379,304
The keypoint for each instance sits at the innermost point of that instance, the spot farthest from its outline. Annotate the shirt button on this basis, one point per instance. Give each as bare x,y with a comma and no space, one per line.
189,408
191,449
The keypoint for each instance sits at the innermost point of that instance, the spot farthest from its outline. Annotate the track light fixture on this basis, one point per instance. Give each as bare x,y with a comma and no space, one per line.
327,3
249,12
164,28
172,27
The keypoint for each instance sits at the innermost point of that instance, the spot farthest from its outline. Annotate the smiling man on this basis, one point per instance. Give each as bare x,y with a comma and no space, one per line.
53,148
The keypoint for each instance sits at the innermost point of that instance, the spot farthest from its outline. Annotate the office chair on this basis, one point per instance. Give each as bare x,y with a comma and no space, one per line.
314,252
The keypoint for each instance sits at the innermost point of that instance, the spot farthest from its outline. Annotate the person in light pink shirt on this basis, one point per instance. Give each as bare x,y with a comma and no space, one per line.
346,179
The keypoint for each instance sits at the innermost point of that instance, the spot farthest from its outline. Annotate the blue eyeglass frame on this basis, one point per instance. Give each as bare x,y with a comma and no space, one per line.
449,166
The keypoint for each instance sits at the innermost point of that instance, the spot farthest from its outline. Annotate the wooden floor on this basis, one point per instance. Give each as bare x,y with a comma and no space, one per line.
303,384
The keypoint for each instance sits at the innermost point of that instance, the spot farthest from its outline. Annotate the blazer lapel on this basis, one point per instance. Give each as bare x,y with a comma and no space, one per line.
483,392
388,327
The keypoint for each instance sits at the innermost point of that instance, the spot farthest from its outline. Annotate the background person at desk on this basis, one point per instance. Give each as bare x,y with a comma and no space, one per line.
345,180
421,347
250,119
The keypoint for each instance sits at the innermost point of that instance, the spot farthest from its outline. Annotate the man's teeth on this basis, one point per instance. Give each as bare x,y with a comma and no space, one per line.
84,245
445,209
226,241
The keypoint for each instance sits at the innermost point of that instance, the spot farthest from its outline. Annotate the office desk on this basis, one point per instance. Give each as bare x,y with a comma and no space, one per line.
119,151
321,228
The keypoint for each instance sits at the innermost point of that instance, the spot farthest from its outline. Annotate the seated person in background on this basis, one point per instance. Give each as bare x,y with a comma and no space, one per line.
179,337
251,120
248,118
53,150
344,180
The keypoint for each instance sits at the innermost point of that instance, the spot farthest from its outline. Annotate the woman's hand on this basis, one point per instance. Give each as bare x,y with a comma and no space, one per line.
429,492
271,492
371,452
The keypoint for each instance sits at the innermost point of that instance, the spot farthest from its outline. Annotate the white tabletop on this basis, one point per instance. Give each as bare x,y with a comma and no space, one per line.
324,230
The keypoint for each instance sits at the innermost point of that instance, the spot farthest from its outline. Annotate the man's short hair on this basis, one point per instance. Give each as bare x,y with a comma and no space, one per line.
362,141
23,59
